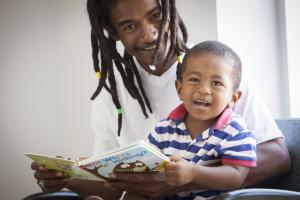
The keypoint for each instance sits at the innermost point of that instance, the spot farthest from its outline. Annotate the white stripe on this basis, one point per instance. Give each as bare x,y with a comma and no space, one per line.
166,123
230,130
169,137
249,154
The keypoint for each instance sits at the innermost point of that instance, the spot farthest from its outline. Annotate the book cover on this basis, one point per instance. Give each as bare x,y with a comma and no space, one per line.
137,157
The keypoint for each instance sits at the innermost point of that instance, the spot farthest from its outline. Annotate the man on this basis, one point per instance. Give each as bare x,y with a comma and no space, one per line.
142,91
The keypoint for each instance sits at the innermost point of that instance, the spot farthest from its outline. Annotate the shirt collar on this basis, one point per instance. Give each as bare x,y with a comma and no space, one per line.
179,113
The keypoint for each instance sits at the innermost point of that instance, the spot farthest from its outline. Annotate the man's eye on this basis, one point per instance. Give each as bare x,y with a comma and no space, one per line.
216,83
129,27
156,16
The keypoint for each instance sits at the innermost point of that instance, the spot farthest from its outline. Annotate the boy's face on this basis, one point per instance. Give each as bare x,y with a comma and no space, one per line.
206,86
136,23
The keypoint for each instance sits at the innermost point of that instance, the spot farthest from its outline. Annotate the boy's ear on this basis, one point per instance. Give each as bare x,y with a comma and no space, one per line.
178,86
235,97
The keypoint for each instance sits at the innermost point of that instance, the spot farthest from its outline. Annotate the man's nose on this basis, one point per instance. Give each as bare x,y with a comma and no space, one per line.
149,33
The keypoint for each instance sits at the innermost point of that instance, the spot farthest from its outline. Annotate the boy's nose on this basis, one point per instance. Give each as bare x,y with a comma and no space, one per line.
203,89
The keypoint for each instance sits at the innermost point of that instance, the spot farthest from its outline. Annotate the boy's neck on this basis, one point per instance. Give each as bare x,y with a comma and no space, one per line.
197,127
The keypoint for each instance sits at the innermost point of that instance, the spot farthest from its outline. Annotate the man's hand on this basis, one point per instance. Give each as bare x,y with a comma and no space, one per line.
178,172
145,184
49,180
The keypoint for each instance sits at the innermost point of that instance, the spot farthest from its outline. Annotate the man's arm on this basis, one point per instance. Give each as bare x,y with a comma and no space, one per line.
87,187
272,159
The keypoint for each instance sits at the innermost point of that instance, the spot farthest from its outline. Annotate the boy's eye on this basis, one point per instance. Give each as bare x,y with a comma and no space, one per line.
193,80
216,83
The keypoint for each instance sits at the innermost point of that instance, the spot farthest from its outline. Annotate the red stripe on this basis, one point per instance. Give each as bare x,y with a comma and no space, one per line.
246,163
178,113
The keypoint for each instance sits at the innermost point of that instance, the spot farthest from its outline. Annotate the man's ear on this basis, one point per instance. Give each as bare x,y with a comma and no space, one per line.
178,86
235,97
112,32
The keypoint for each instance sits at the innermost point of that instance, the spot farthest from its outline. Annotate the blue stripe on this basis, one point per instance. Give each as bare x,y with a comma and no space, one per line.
194,149
170,130
165,144
207,146
204,158
153,141
236,126
239,148
221,134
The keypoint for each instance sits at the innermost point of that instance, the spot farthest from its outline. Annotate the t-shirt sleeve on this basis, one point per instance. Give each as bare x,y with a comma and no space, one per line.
239,147
153,140
256,114
156,139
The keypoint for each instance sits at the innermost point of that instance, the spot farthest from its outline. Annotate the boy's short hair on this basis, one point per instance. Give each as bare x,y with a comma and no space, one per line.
218,49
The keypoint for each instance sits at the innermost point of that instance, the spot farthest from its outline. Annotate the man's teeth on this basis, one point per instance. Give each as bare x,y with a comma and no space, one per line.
149,48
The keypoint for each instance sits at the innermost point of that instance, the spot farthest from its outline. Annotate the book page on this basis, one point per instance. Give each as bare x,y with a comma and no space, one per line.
69,167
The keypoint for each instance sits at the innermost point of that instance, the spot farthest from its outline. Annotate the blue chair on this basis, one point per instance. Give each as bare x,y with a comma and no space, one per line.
291,181
259,194
54,196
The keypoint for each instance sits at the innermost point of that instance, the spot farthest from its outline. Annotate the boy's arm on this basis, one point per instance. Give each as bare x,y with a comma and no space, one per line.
180,172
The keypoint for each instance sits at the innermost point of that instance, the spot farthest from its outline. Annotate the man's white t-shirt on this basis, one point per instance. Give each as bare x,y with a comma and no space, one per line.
163,98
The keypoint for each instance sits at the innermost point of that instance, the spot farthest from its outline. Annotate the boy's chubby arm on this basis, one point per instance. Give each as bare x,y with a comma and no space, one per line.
180,172
178,177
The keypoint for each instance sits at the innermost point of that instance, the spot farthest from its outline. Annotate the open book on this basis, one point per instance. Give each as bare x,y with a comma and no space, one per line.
136,157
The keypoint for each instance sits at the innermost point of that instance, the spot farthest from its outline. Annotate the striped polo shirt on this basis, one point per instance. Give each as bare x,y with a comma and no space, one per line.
227,141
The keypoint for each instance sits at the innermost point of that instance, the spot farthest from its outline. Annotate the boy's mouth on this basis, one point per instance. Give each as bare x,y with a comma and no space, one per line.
202,103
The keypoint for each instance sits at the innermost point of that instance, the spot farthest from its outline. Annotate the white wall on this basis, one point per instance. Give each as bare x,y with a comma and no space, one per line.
47,78
46,82
292,17
252,29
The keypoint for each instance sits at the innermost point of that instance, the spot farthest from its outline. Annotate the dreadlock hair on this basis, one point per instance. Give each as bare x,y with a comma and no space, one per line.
218,49
104,47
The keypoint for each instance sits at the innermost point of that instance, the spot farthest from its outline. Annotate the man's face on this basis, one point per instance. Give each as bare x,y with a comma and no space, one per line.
136,23
206,86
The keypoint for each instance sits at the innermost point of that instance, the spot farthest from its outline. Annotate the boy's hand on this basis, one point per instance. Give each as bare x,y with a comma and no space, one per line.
179,172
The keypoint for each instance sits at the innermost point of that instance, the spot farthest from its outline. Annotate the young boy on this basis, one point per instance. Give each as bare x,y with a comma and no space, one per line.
204,130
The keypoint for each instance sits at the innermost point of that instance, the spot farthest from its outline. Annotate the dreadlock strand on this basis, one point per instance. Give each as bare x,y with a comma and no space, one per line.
164,20
183,29
114,95
95,53
138,78
173,30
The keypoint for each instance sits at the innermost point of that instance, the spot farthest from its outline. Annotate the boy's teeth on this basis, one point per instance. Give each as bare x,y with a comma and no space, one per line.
202,103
